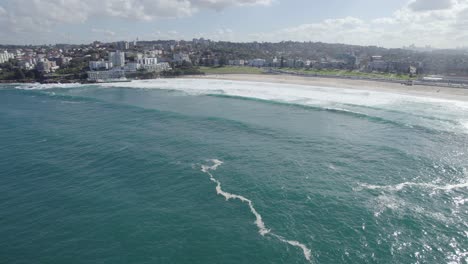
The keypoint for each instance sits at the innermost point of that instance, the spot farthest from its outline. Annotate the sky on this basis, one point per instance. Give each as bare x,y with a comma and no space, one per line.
386,23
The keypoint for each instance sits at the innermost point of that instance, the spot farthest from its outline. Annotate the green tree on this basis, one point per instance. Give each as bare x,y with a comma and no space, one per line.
222,61
31,74
19,74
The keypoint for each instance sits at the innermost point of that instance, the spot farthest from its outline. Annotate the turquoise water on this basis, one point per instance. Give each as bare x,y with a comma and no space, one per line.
198,171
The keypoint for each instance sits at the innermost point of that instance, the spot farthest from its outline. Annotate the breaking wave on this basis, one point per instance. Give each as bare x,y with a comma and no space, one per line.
39,86
409,111
401,186
413,111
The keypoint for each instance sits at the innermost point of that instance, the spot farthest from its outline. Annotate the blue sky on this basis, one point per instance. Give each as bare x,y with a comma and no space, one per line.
440,23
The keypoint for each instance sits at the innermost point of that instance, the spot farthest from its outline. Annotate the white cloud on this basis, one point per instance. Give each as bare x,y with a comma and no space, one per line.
440,23
435,26
343,30
33,15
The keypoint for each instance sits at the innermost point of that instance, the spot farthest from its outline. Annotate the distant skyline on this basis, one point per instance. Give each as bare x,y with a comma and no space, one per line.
390,24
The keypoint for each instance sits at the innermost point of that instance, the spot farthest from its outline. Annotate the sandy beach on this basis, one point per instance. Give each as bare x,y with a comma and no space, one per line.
458,94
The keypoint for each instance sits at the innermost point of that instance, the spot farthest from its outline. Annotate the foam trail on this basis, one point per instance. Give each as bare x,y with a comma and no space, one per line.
400,186
262,229
306,251
259,222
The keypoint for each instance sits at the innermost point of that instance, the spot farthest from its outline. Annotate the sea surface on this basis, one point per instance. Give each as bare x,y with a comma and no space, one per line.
211,171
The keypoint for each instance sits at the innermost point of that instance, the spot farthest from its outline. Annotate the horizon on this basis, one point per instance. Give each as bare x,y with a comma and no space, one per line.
409,47
439,24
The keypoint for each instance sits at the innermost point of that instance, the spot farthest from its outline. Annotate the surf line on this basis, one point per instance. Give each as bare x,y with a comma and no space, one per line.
262,229
400,186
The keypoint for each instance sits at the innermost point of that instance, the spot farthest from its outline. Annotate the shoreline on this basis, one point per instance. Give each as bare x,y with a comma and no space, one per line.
438,92
429,91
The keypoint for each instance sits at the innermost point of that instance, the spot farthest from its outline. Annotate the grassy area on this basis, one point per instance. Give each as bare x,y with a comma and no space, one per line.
231,69
331,72
350,73
6,75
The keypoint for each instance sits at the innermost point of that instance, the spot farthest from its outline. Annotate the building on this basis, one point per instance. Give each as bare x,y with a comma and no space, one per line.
26,65
160,67
106,76
6,56
43,66
209,61
63,61
179,58
275,62
122,45
53,66
132,67
148,61
257,62
117,58
236,62
290,63
47,66
201,41
332,64
100,65
28,62
377,64
155,52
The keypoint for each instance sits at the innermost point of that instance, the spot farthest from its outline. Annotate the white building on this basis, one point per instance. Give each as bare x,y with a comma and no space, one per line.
106,76
6,56
154,53
163,66
148,61
100,65
26,65
117,58
236,62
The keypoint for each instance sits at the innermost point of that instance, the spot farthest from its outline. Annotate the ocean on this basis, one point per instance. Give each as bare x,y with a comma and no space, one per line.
216,171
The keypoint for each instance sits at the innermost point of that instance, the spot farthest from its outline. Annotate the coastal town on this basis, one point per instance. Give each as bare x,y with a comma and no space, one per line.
128,60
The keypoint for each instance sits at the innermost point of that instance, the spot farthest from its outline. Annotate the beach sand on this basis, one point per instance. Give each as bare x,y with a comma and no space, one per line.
448,93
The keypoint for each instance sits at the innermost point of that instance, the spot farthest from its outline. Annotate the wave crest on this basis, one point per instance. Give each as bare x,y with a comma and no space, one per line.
400,186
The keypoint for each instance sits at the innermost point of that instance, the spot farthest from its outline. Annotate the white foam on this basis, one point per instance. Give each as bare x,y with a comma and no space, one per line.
414,109
39,86
307,252
288,92
262,229
266,91
400,186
